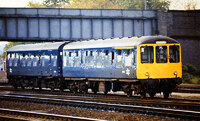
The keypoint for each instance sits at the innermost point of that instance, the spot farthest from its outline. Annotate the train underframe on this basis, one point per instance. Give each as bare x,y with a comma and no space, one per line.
81,85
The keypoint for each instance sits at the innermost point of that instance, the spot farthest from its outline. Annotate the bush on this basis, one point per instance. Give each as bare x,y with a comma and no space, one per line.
187,78
191,74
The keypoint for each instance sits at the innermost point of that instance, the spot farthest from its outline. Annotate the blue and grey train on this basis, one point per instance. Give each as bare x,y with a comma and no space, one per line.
147,64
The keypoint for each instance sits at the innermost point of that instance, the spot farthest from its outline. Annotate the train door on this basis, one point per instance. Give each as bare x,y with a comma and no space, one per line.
53,66
50,65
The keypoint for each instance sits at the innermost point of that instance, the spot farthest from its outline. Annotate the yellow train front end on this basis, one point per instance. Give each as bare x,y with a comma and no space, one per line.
159,61
159,67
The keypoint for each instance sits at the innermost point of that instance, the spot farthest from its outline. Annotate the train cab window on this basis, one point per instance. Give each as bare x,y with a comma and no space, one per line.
161,54
106,58
128,57
119,58
23,60
29,60
16,60
70,59
174,54
98,58
146,54
34,60
76,59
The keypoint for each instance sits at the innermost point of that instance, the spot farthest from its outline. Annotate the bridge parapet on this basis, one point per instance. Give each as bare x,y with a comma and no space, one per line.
74,24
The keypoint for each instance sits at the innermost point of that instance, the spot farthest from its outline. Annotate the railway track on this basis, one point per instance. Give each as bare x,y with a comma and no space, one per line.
108,106
183,88
189,88
19,115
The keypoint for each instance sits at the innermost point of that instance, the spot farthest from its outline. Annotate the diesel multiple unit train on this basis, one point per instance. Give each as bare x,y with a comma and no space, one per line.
147,64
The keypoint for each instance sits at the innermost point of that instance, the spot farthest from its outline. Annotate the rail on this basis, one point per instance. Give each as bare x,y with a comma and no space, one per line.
40,115
127,108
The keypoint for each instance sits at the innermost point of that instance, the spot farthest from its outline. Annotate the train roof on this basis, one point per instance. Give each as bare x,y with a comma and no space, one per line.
118,42
36,47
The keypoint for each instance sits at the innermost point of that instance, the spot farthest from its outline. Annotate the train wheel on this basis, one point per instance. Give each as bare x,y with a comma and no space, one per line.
129,93
75,90
152,94
142,94
105,92
85,89
52,89
40,88
166,95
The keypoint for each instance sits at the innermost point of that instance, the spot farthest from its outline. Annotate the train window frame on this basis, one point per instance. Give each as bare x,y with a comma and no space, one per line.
174,57
159,55
128,58
34,60
70,61
89,58
77,58
119,58
43,59
54,59
106,58
149,59
23,60
29,60
98,59
15,60
10,60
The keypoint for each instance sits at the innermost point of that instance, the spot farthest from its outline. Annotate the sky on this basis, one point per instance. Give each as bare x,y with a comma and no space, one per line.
2,45
175,5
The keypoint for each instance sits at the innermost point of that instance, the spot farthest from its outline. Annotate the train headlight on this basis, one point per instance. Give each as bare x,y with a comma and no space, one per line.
147,74
175,73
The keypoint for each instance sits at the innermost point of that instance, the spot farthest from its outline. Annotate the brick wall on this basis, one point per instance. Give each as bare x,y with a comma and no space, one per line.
183,26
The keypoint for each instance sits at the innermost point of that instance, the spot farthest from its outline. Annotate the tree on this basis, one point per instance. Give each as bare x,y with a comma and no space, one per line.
191,5
162,5
93,4
89,4
55,3
34,4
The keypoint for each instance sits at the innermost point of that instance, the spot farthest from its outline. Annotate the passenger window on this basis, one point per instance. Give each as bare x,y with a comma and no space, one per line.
23,60
106,58
161,54
29,60
34,60
147,54
43,59
10,60
76,59
99,59
16,60
174,54
70,59
54,59
89,58
128,58
119,59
